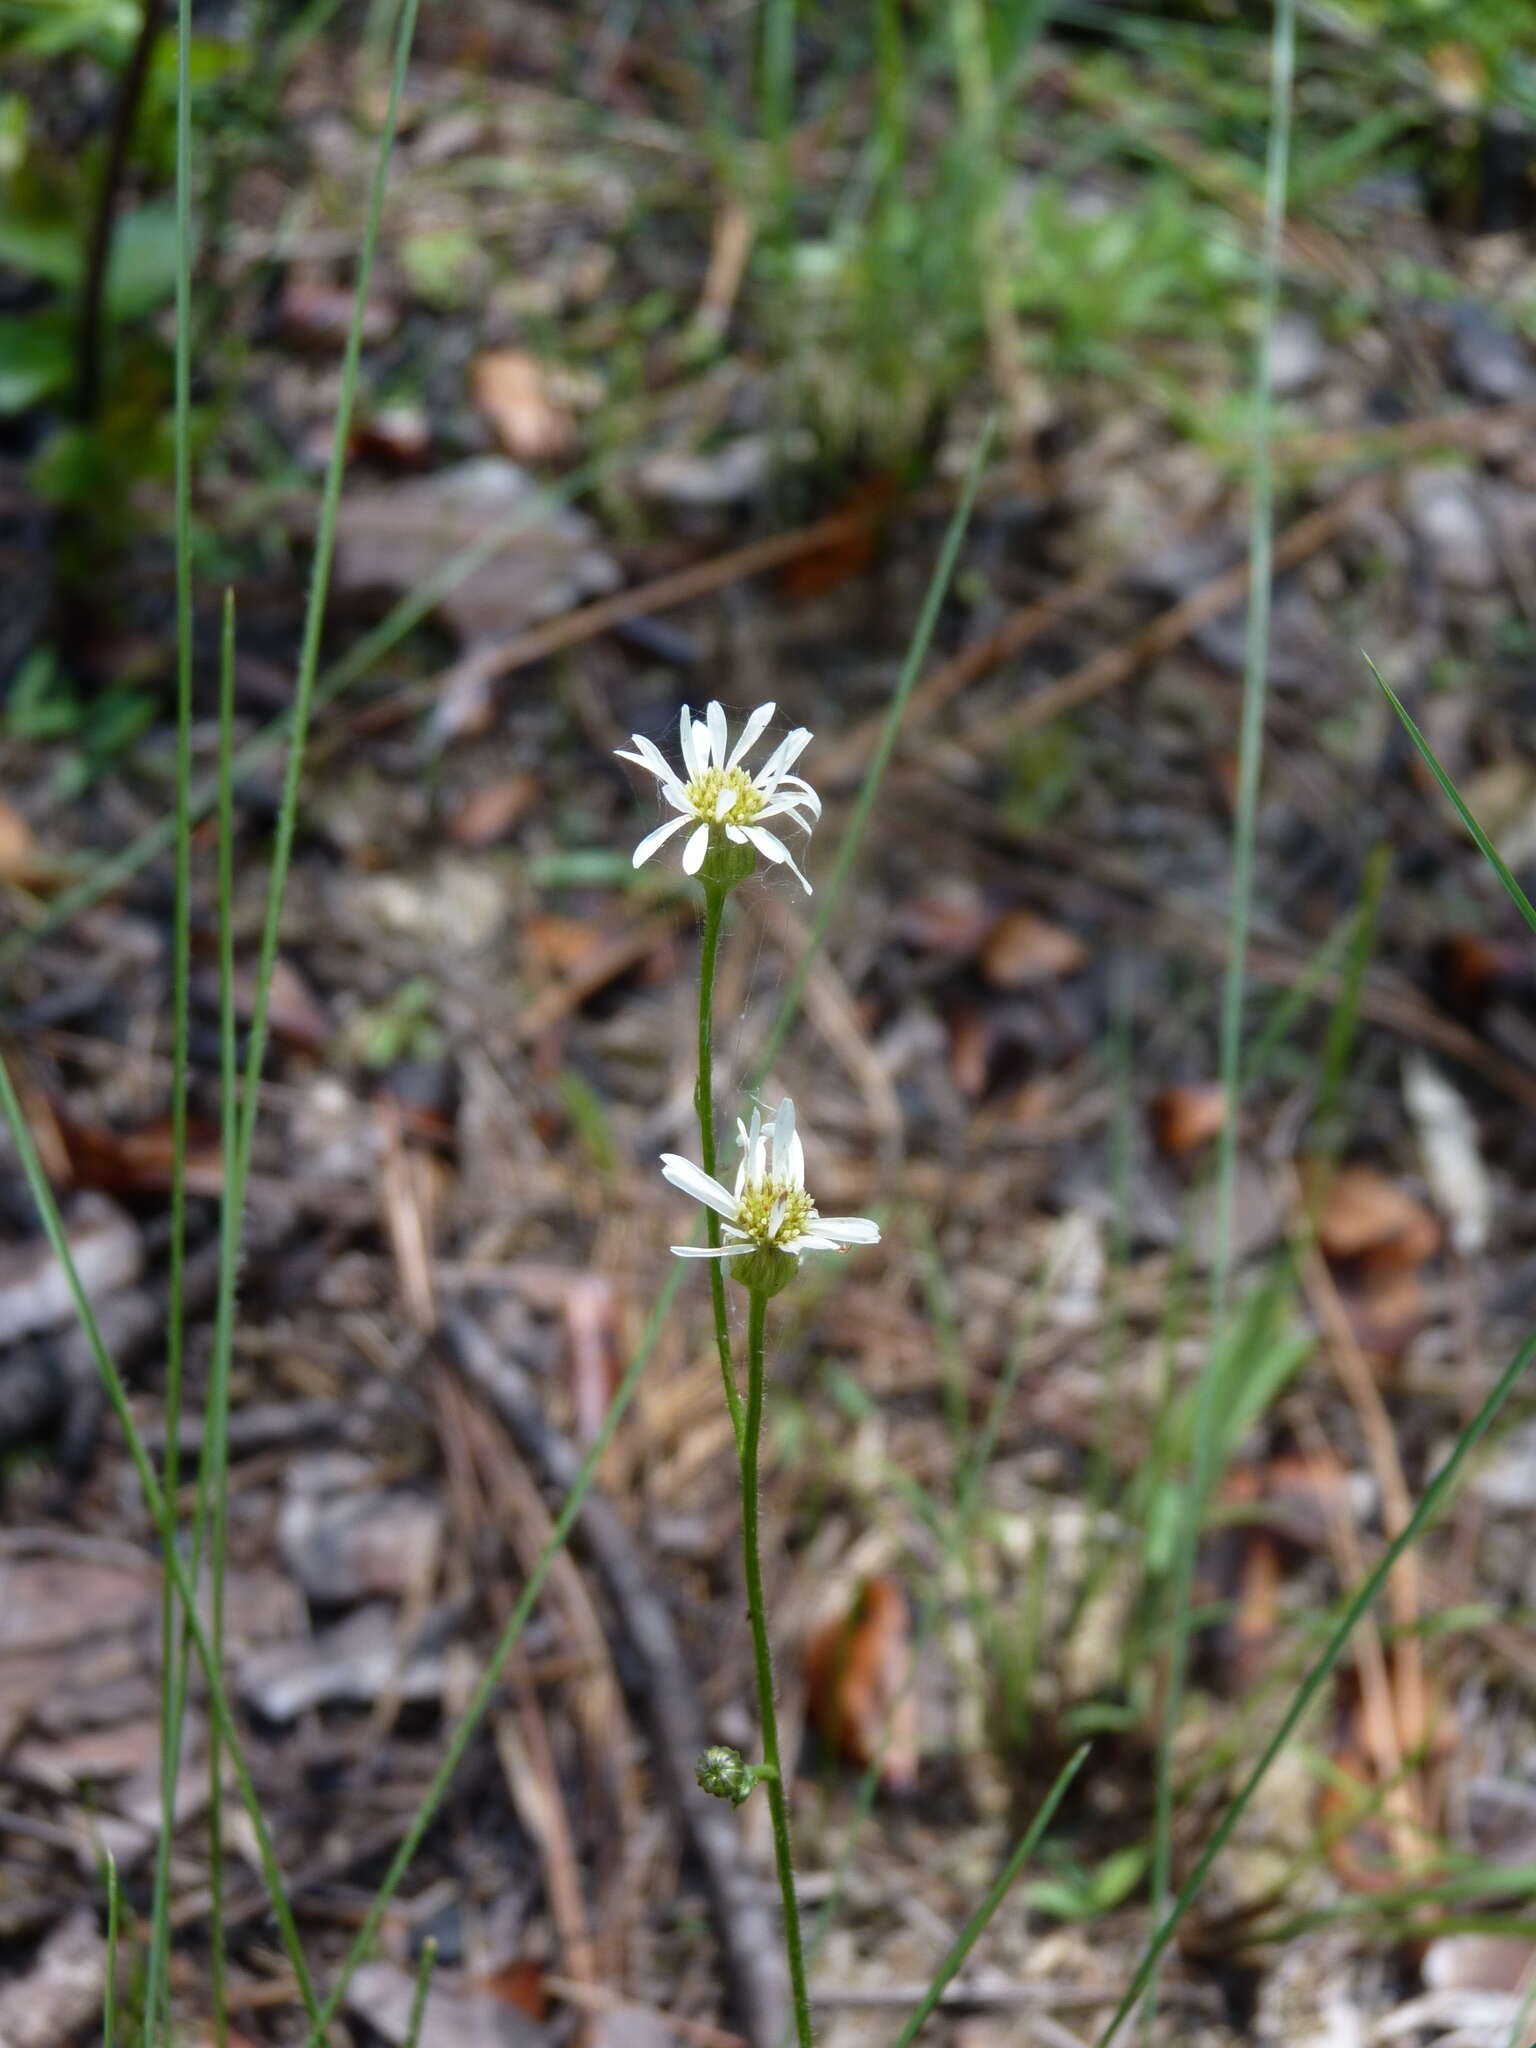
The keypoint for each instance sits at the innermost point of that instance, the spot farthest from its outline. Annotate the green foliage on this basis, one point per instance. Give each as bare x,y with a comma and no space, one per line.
1153,267
1077,1892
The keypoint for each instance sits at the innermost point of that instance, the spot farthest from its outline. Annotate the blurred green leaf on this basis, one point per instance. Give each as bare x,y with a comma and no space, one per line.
34,359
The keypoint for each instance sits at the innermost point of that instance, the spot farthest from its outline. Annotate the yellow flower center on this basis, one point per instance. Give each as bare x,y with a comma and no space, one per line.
774,1212
705,791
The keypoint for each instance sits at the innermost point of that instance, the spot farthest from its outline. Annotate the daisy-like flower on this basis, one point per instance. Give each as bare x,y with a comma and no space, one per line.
770,1210
716,793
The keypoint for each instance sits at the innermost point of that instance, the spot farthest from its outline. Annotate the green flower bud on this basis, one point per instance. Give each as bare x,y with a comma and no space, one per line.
725,1774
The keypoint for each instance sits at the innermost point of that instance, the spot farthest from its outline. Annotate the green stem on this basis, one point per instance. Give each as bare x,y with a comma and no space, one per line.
778,1803
704,1105
174,1652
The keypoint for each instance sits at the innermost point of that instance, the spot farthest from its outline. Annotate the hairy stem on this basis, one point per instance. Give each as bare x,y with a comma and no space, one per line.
704,1105
778,1803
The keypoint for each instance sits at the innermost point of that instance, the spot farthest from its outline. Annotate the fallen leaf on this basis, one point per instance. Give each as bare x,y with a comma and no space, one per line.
400,537
520,1985
17,846
492,811
136,1162
108,1254
1187,1115
1469,973
512,389
1367,1217
827,568
383,1996
1023,949
60,1991
953,920
317,313
858,1669
558,944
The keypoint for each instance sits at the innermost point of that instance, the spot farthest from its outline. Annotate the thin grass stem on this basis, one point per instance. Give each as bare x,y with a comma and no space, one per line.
213,1478
173,1688
976,1926
1250,757
762,1657
424,1968
1485,845
109,1988
704,1105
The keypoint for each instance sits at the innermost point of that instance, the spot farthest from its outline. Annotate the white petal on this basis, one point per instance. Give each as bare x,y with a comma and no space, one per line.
801,792
735,834
693,1180
703,746
783,1133
750,731
718,736
685,732
773,849
724,802
695,850
792,1165
710,1251
659,837
849,1229
811,1243
649,756
782,759
785,807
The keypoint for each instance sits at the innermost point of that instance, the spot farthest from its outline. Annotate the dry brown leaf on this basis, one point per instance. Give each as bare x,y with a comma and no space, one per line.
136,1162
858,1670
1367,1216
17,846
1186,1115
318,313
492,811
1023,949
520,1985
558,944
401,535
951,920
512,389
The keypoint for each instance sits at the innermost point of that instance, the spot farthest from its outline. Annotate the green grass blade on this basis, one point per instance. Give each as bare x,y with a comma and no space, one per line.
109,1988
173,1694
1250,755
1433,1500
424,1969
1484,844
214,1472
975,1927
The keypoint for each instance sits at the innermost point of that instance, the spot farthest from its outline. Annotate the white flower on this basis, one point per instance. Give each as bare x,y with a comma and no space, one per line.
770,1209
719,791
